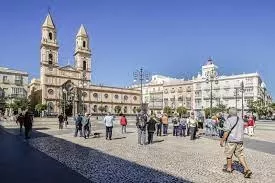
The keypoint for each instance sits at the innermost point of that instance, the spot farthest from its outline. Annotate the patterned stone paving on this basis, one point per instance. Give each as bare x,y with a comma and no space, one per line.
169,159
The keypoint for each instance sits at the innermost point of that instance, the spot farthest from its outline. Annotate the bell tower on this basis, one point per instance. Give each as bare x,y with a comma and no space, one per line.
82,53
48,53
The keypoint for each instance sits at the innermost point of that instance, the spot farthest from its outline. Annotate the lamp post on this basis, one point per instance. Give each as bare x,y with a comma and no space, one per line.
242,90
236,97
81,97
211,77
142,77
65,101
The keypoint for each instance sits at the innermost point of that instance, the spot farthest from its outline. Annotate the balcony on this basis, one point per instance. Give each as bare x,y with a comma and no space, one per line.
6,81
18,82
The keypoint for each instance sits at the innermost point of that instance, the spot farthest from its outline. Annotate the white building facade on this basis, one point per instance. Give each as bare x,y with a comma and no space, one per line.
13,84
195,94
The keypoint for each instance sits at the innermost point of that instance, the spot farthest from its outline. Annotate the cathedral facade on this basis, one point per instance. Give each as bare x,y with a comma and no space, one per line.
69,88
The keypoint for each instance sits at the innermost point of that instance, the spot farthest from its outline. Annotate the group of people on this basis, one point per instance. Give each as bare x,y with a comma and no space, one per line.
181,126
26,121
83,125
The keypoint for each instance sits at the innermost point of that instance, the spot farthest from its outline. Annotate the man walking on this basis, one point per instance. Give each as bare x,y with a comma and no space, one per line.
151,128
61,121
78,125
20,120
86,125
28,124
233,139
109,122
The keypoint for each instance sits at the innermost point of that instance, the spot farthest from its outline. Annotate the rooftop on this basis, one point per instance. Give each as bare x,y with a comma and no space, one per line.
8,70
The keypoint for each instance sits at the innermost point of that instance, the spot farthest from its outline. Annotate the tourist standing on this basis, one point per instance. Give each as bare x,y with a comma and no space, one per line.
20,120
251,124
159,125
141,121
182,126
86,125
28,124
61,121
151,128
233,139
123,123
193,123
175,122
164,120
109,122
65,120
78,125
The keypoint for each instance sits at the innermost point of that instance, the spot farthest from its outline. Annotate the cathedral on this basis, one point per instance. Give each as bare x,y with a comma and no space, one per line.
69,88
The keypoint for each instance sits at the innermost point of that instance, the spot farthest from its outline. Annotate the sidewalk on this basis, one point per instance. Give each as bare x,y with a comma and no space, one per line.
19,162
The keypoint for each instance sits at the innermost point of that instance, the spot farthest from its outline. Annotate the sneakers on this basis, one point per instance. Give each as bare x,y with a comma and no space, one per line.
247,174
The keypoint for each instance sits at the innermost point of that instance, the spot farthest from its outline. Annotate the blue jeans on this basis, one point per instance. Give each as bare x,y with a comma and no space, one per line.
165,129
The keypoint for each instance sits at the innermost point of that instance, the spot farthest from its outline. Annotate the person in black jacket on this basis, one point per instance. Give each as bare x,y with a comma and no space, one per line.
28,124
151,128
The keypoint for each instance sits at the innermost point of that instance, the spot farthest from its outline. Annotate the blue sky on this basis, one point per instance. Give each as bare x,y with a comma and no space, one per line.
169,37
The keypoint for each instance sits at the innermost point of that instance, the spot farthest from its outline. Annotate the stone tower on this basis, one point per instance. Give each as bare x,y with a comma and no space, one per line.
48,53
82,53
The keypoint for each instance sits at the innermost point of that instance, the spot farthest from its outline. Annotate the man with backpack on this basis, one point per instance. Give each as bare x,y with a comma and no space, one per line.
141,121
78,125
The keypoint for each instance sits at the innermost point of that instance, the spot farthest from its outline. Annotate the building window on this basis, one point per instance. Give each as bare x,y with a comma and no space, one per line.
84,94
125,97
125,109
95,95
50,107
106,95
166,91
50,35
95,108
50,91
135,98
84,44
106,108
84,65
5,79
116,96
50,59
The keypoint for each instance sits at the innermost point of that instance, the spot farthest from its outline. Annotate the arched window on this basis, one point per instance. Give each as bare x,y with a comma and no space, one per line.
50,35
50,107
116,96
106,108
106,95
125,110
95,95
95,108
84,44
84,65
50,59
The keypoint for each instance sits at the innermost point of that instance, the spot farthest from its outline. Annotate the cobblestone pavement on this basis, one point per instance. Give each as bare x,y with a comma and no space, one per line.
169,159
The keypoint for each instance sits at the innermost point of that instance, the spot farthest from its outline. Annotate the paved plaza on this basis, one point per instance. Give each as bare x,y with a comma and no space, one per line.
169,159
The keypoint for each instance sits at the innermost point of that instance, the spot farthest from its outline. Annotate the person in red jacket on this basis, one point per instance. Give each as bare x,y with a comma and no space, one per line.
251,124
123,123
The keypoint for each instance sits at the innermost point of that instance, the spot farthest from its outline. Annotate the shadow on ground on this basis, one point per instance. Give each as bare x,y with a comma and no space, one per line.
95,165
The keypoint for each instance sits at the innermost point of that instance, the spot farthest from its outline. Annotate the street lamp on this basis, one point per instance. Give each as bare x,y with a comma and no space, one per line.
242,90
142,77
65,101
211,77
81,93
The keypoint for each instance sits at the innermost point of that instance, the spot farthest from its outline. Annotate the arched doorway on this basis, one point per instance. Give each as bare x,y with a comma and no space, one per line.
68,97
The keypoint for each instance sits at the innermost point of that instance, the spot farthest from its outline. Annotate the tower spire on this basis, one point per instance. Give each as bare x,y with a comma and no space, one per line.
82,31
48,22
